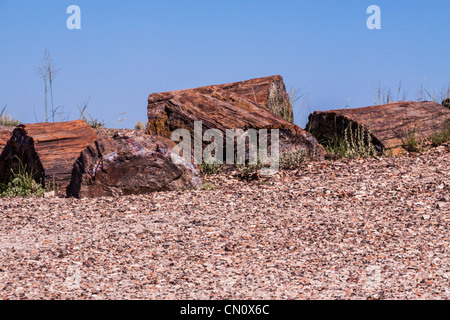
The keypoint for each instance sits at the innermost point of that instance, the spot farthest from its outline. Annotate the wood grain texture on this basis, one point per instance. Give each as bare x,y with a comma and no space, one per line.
219,107
5,135
389,124
49,150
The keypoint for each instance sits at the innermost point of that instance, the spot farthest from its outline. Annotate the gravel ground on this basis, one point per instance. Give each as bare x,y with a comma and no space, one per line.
356,229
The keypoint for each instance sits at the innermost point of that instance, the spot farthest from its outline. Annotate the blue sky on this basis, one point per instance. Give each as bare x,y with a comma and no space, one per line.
127,50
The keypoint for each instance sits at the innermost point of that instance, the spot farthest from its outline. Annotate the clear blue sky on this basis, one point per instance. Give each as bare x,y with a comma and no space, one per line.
127,50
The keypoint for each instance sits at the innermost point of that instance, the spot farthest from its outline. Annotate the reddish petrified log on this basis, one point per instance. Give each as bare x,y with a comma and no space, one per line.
129,162
5,135
222,109
48,150
390,124
268,92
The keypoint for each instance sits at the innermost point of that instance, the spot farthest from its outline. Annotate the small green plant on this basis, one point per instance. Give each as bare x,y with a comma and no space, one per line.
411,142
290,160
7,120
211,168
440,137
86,116
139,126
208,186
22,184
248,171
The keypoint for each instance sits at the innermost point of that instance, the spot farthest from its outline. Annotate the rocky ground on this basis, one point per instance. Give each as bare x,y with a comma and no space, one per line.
353,229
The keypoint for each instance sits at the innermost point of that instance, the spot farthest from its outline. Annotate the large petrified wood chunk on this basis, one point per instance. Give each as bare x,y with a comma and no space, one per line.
222,109
129,162
48,150
389,124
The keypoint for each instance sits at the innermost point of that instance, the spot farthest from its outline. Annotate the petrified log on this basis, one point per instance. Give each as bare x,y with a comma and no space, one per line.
268,92
388,124
5,135
129,162
48,150
222,109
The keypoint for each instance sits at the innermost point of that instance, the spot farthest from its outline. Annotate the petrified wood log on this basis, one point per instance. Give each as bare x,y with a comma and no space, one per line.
129,162
222,109
5,135
268,92
48,150
388,124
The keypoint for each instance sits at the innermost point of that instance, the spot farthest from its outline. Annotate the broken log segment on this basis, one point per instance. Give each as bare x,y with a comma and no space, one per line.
268,92
48,150
129,162
222,109
389,125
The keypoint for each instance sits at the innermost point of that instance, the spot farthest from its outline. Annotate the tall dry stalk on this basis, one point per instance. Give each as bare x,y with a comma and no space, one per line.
48,71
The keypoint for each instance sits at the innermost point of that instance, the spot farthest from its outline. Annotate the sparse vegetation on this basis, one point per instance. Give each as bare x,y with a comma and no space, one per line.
412,143
438,96
22,184
283,108
7,120
208,186
48,71
385,95
290,160
211,168
351,143
440,137
86,116
248,171
139,125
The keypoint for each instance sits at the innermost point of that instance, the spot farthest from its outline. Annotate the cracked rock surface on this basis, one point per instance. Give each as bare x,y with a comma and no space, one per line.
353,229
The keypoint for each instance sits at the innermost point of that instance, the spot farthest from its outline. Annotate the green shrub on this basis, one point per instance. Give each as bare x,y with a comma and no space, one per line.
208,186
22,184
290,160
211,169
249,172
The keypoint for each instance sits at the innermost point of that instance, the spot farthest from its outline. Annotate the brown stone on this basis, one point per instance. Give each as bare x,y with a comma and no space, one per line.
446,103
48,150
219,107
129,162
389,124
